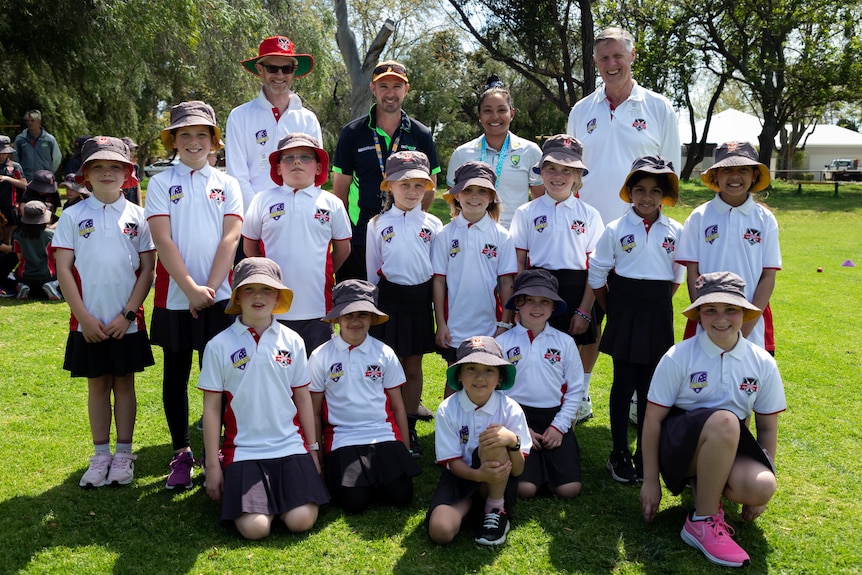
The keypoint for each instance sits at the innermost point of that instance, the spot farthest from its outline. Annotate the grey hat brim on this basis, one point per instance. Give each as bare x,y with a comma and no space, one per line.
507,379
354,306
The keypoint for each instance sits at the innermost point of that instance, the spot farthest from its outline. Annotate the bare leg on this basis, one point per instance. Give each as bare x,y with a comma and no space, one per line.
301,518
713,460
99,408
253,525
412,388
125,407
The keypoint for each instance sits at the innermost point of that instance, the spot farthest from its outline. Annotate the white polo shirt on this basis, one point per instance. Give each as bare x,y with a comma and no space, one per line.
631,252
459,423
645,124
398,246
741,240
107,240
354,383
516,175
257,380
252,134
697,373
473,257
297,229
550,372
196,201
557,235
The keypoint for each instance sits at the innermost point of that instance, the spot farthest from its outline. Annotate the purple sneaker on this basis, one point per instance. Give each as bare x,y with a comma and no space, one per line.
181,471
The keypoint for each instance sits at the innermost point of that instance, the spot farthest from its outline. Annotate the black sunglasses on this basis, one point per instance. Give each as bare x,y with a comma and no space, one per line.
286,69
390,68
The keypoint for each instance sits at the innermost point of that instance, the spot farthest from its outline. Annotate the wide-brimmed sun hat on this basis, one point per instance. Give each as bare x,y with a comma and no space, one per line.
721,287
35,212
564,150
299,140
653,165
483,350
473,174
284,47
108,149
736,154
406,165
262,271
192,113
351,296
537,283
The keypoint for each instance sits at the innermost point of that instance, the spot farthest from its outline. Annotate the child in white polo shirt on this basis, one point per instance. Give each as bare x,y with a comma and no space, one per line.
701,397
256,371
356,391
548,386
558,232
481,441
303,229
105,259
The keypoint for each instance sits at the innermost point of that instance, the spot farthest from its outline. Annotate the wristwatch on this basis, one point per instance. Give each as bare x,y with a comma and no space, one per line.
130,315
517,446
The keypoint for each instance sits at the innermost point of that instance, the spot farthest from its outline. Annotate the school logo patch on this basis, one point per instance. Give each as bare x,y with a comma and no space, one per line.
513,354
489,251
282,357
710,234
217,196
130,229
540,223
175,193
336,372
591,125
639,124
464,434
669,245
239,358
276,211
628,243
323,216
425,235
516,160
387,234
748,385
85,228
579,227
454,248
697,381
261,137
552,356
374,372
752,236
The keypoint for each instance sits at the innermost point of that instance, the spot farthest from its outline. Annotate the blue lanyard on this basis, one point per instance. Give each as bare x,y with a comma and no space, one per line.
501,157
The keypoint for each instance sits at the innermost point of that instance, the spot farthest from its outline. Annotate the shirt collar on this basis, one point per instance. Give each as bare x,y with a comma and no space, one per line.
372,119
549,201
747,207
490,406
96,204
239,328
294,103
634,218
712,351
484,224
185,170
342,345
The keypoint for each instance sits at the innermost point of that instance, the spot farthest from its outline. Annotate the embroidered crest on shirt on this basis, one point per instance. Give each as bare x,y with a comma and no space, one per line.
579,227
748,385
628,243
425,235
516,160
552,356
175,193
387,234
697,381
540,223
217,196
752,236
591,125
513,355
130,229
239,358
336,372
85,228
374,372
261,137
276,210
669,245
282,357
710,234
639,124
489,251
454,248
464,434
323,216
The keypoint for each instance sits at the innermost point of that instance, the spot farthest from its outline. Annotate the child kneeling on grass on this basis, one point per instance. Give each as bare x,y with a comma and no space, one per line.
258,367
481,441
702,394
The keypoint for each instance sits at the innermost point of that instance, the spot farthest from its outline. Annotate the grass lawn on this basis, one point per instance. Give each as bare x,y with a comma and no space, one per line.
49,525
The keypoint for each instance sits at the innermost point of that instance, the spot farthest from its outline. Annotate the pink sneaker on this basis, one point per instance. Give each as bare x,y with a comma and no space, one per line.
97,473
122,469
713,537
181,471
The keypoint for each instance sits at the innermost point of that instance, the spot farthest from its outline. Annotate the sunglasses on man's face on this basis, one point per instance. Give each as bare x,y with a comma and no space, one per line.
286,69
390,69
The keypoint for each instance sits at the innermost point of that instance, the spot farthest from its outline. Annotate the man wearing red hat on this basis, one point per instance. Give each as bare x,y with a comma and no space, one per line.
255,128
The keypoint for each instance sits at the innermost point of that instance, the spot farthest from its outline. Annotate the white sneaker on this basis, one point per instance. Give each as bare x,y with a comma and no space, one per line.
585,410
633,409
52,290
97,474
122,469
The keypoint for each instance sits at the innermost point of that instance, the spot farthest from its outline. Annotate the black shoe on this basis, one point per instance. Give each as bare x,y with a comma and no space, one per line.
424,413
639,467
621,467
494,527
415,446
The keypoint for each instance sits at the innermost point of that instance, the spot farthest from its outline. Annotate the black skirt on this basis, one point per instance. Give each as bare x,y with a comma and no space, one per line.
271,486
572,284
680,433
410,329
117,357
640,320
177,330
375,465
553,467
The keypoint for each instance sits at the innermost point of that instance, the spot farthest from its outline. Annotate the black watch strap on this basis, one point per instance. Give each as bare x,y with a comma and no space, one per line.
130,315
516,447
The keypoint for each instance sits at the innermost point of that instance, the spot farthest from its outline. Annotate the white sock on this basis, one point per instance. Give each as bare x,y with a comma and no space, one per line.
587,377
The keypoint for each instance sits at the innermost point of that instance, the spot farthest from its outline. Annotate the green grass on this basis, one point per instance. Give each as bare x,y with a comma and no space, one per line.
49,525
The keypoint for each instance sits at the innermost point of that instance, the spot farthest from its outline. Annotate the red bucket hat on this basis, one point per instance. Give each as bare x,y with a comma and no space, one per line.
299,140
280,46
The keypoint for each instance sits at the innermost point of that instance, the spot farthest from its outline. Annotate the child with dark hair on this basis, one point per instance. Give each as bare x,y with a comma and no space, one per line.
30,242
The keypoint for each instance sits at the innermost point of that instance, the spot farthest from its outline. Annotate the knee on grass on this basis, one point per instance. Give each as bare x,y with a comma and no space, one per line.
444,524
300,518
253,526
